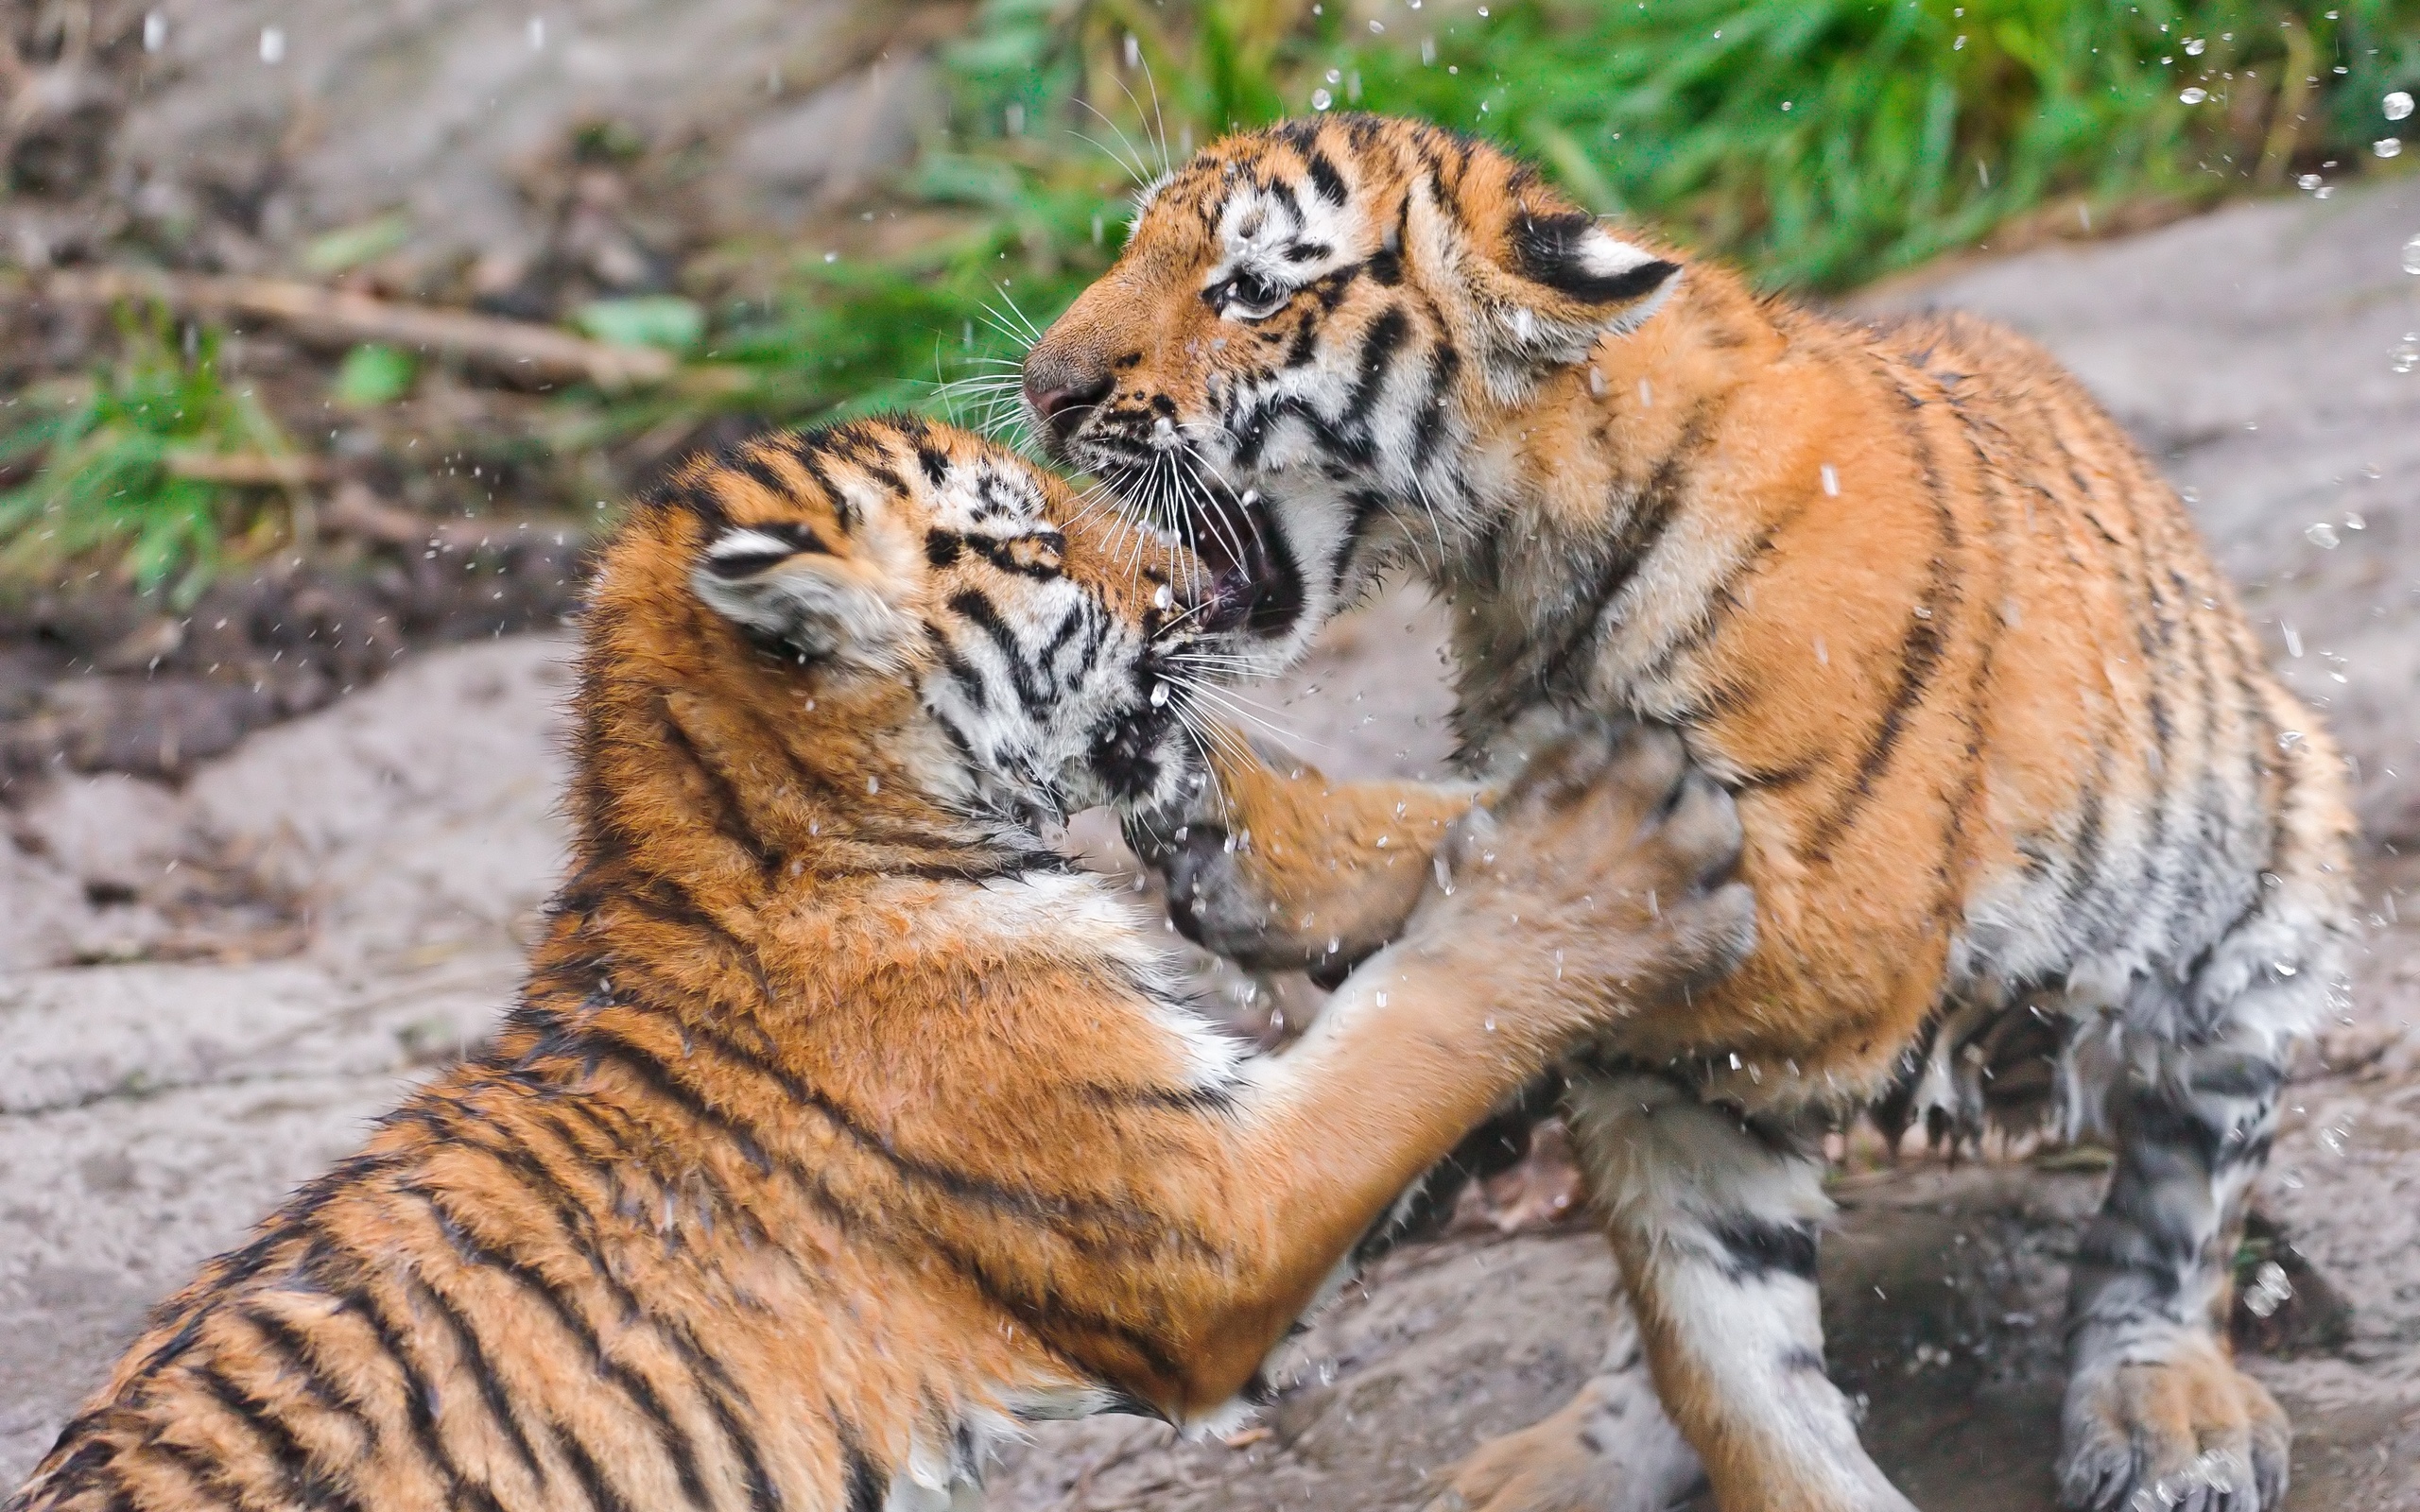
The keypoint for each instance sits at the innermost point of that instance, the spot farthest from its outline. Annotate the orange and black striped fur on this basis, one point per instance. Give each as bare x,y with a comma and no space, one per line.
840,1126
2023,805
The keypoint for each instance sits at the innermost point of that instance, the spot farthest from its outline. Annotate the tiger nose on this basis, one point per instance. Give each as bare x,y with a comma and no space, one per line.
1062,389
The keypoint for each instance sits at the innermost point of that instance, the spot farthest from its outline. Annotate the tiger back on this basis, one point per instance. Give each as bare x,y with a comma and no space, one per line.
842,1127
2027,812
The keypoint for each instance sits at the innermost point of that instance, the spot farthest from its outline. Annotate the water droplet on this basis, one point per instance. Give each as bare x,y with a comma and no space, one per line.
1488,1023
2411,255
2194,96
1596,382
2322,535
1382,1000
2308,181
2193,46
2399,106
537,34
2288,739
1322,99
2269,1291
272,44
1162,597
155,32
2386,146
1159,694
1831,480
874,784
2406,353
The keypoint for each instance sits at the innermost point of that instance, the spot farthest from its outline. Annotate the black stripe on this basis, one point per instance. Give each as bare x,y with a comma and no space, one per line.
727,813
1324,179
482,1371
1551,250
1641,528
296,1361
578,1231
868,1484
750,463
977,608
1133,1232
1756,1248
602,1494
641,1392
305,1482
350,1283
1921,651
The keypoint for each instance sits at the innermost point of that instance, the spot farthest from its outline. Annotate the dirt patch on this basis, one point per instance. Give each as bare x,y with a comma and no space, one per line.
106,681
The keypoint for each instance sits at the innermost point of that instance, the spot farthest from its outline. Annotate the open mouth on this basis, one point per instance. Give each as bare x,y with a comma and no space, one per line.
1253,583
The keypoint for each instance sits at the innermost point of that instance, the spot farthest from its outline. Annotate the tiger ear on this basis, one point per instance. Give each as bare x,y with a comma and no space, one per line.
1572,283
789,591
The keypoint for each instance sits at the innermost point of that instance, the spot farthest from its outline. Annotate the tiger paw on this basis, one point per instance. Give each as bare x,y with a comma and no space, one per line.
1608,862
2190,1434
1610,1449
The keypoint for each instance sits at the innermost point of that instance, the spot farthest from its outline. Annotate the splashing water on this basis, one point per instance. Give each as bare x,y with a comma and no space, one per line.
2194,96
2386,146
2399,106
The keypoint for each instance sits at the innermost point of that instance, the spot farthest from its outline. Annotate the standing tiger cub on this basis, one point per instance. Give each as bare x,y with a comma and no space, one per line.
2024,806
842,1125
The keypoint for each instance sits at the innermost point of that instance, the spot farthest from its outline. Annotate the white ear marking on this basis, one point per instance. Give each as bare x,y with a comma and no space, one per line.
819,606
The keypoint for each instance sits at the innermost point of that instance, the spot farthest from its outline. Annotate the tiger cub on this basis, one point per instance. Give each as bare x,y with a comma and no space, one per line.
2023,804
842,1125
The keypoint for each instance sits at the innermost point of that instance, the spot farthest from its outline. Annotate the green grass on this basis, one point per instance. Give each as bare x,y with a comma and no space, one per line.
1820,144
109,486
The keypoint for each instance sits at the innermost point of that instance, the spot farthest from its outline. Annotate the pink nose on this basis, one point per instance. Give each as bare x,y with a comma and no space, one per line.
1062,392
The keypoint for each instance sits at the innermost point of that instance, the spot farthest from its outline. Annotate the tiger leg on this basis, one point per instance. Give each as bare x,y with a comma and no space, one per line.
1612,1448
1714,1218
2156,1413
1279,869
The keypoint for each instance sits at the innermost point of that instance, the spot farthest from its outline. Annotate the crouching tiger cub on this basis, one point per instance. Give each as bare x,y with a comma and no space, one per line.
2023,804
841,1125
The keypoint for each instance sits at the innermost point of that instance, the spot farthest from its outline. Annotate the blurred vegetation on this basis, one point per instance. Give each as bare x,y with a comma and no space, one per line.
1820,144
155,466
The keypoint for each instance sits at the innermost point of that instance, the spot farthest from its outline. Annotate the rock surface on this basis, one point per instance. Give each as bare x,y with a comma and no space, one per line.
149,1109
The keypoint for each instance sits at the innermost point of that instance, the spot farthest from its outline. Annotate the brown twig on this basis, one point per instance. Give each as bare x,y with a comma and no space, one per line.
358,512
517,350
250,468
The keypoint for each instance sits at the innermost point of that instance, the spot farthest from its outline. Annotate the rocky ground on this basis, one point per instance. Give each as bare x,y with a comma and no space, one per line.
209,988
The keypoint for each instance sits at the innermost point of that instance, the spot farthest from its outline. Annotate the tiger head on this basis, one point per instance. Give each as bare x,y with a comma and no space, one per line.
888,625
1309,325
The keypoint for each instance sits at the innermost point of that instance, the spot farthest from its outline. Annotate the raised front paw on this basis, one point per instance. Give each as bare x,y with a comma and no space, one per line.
1614,856
1281,869
2190,1434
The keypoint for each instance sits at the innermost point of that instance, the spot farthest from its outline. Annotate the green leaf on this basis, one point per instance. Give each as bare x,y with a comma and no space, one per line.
665,320
373,374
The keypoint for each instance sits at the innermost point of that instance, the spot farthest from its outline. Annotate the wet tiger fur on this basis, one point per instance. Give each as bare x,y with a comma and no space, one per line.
841,1125
2021,797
